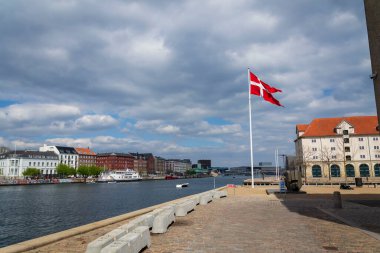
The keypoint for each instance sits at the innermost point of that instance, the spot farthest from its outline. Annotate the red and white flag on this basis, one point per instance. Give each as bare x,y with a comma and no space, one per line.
259,88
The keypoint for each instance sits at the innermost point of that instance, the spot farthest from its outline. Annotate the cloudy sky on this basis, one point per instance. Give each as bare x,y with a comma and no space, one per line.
170,77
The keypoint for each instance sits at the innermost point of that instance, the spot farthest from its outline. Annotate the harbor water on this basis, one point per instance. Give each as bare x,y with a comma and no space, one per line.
28,212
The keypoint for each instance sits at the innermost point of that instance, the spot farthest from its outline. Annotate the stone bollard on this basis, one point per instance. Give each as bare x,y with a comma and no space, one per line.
337,200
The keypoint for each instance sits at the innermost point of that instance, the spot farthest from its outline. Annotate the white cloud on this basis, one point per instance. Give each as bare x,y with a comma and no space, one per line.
168,129
37,112
344,20
80,70
95,122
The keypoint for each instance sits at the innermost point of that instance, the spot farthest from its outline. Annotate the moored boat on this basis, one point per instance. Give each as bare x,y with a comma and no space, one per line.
182,185
170,177
119,176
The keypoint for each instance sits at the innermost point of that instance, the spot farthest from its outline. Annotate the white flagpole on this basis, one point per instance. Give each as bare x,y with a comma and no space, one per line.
276,161
250,128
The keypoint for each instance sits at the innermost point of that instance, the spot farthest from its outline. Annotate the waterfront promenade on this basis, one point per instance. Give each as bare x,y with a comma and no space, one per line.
248,220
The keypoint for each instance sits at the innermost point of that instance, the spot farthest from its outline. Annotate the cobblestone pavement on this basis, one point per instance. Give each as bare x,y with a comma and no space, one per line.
259,224
253,223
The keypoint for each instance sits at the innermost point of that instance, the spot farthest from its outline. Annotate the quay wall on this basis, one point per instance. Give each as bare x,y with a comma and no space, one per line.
44,240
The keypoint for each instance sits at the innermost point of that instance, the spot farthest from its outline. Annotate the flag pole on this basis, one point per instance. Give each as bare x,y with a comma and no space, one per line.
250,128
276,161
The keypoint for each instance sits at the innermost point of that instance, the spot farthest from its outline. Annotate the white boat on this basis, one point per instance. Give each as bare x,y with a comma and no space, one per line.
119,176
182,185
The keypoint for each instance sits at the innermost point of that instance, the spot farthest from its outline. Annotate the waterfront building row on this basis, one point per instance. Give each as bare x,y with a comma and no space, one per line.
13,164
338,148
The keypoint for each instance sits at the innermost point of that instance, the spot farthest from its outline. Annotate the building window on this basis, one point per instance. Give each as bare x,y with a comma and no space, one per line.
332,140
335,170
364,170
332,148
333,157
362,156
313,140
315,157
348,158
377,156
375,138
361,147
377,170
346,149
346,140
350,171
314,149
345,132
360,138
316,171
375,147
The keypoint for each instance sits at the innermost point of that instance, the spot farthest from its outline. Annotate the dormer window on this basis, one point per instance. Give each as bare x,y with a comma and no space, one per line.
345,132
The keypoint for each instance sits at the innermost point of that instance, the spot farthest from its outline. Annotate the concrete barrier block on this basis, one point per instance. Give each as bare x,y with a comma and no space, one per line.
148,220
183,208
160,210
163,220
205,198
143,220
132,242
97,245
196,198
144,233
220,194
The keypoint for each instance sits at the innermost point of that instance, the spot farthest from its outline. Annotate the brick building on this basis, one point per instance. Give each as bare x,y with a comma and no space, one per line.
115,161
87,157
140,164
159,165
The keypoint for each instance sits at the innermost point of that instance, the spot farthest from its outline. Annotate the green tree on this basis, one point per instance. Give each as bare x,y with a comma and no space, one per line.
95,170
83,170
31,172
190,172
64,170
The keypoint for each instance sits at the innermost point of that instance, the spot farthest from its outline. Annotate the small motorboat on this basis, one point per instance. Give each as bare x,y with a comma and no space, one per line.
182,185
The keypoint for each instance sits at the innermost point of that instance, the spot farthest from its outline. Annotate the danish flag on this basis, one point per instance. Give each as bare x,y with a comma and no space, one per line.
259,88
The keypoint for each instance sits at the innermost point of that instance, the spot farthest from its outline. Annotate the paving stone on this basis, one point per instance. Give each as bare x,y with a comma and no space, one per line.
254,223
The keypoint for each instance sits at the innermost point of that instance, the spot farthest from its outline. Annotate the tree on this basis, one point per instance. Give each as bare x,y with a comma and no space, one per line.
31,172
304,160
95,170
190,172
327,157
65,170
83,171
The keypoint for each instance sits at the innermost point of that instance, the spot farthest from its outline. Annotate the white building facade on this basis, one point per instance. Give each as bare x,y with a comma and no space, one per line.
66,155
177,166
13,164
339,149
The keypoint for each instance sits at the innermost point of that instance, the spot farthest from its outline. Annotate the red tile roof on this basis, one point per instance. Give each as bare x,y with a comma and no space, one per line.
85,151
302,127
363,125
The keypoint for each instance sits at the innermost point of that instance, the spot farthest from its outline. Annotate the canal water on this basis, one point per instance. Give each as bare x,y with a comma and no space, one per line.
27,212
